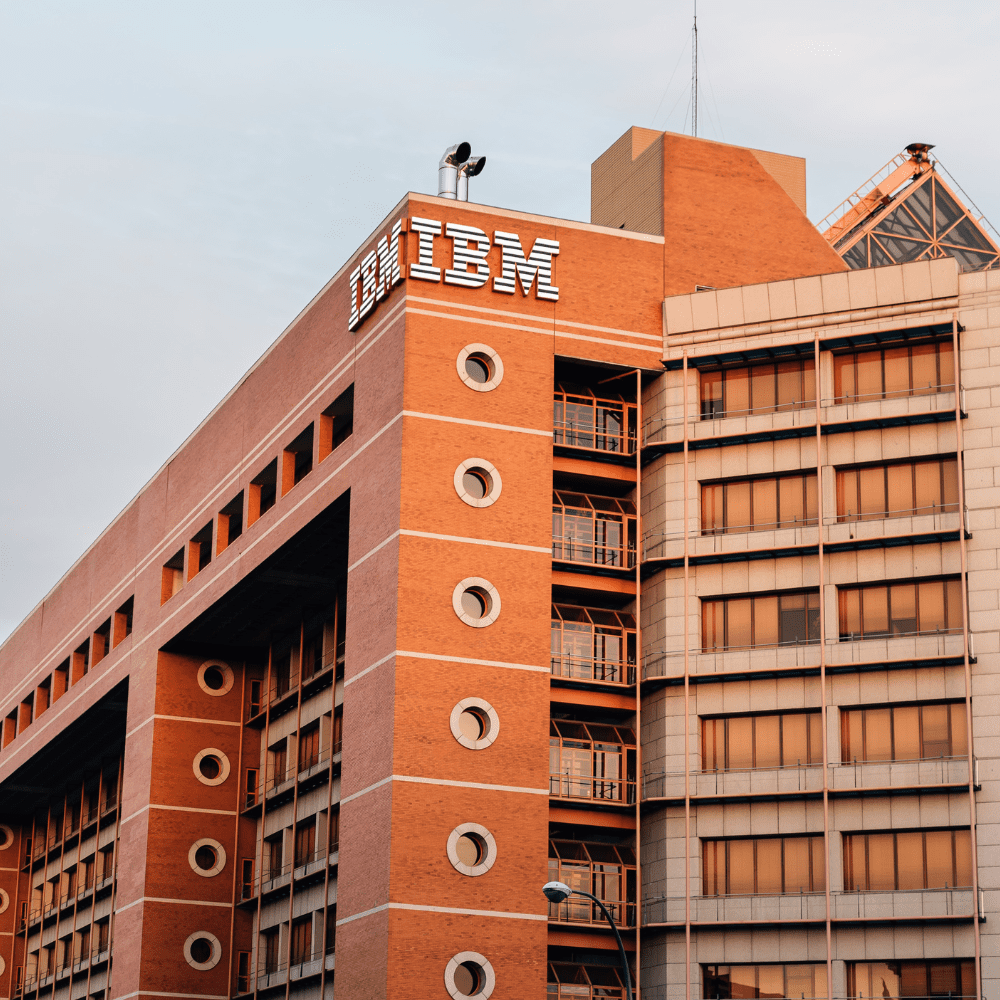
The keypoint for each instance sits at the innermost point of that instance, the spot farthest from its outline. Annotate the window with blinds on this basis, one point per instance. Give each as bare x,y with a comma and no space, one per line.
902,489
761,620
741,982
769,388
903,732
881,610
917,370
758,504
763,866
914,859
750,741
948,978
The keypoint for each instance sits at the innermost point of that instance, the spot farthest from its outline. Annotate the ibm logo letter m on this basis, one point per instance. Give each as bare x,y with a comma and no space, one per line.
538,262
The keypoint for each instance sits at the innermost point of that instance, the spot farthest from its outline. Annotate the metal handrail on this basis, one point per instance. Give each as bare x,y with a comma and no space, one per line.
592,787
593,668
622,556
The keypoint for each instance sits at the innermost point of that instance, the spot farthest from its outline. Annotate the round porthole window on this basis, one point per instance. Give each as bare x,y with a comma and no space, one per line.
476,601
478,483
479,367
4,900
211,766
6,836
475,723
215,678
469,974
207,857
472,849
202,951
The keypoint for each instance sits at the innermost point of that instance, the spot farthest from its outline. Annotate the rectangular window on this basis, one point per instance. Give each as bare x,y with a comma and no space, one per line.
337,732
302,940
879,611
60,680
312,654
766,620
275,856
172,576
305,842
247,879
309,747
10,728
102,641
770,388
331,928
43,695
902,489
123,622
103,928
888,373
243,972
333,829
740,982
284,664
942,978
279,763
256,694
903,732
758,504
80,662
250,787
230,524
765,866
750,741
263,492
297,460
336,423
917,859
199,551
271,950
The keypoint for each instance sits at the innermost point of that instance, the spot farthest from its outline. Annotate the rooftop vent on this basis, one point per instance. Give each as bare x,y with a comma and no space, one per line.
455,168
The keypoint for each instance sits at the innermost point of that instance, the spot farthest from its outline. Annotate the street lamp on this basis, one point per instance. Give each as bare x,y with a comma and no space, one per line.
556,892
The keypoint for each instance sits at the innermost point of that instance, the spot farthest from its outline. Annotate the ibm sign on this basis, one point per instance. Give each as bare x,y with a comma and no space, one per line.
380,271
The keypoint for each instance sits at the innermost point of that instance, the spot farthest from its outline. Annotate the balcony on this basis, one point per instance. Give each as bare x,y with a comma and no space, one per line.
591,763
841,654
282,973
715,424
593,531
915,904
593,644
607,871
844,778
568,981
582,420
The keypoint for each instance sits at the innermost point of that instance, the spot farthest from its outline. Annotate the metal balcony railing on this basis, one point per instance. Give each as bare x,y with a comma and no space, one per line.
899,904
574,786
588,422
584,911
591,668
574,549
808,777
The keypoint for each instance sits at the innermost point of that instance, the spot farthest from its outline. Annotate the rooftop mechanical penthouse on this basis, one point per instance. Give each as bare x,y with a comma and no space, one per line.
655,555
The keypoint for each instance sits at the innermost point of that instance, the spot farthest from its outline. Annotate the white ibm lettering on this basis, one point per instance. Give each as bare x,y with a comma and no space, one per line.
377,273
470,248
538,262
380,269
424,267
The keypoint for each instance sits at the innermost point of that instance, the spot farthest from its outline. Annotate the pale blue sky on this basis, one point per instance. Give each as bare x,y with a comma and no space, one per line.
178,178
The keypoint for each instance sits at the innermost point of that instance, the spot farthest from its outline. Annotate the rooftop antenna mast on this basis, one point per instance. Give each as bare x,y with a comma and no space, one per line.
694,73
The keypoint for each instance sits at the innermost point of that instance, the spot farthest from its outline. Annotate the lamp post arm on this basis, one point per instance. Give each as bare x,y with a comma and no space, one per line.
618,938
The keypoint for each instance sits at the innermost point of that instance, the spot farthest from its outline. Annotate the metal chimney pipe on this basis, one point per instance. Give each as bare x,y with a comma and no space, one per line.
470,168
448,169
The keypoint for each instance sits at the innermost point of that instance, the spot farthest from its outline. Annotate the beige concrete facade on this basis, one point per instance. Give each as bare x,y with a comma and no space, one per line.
687,801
